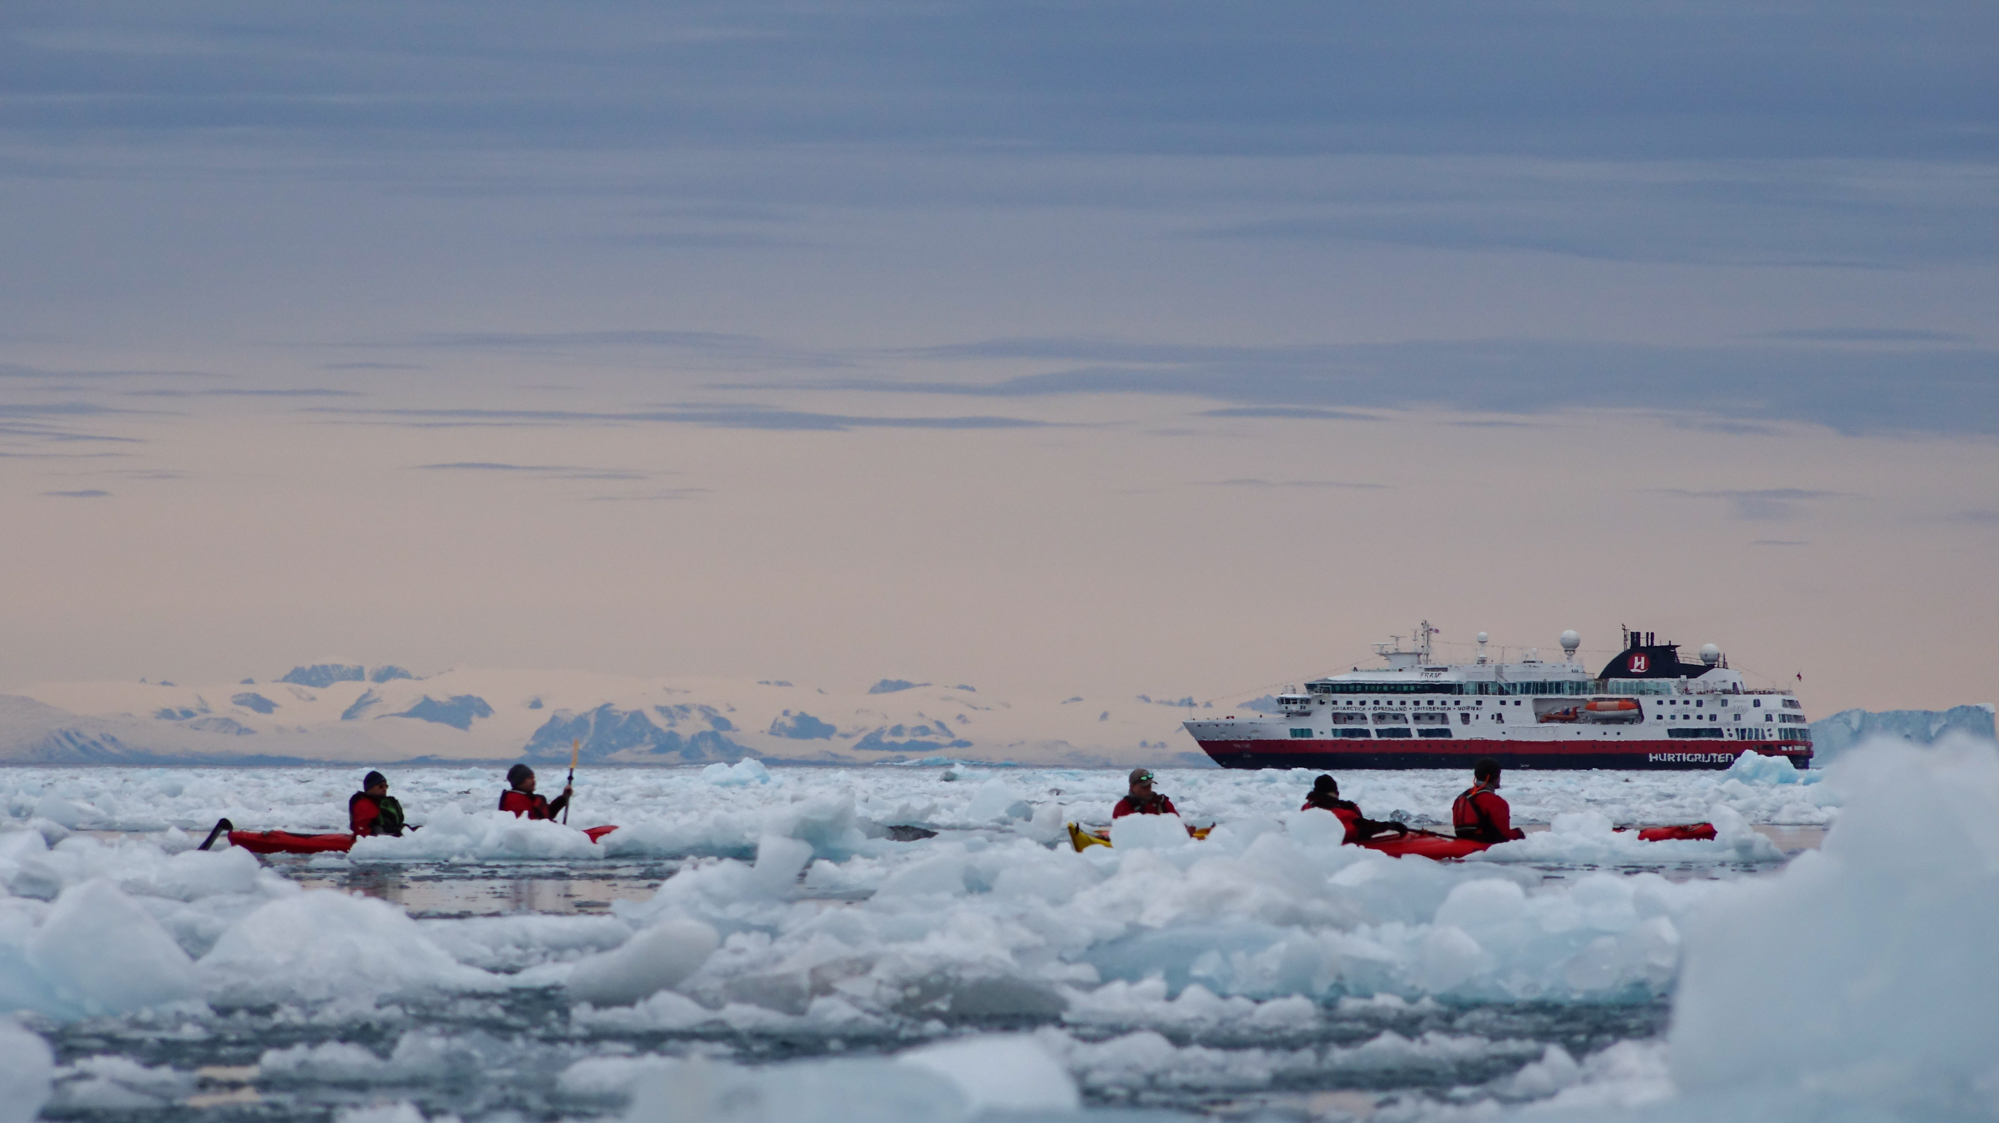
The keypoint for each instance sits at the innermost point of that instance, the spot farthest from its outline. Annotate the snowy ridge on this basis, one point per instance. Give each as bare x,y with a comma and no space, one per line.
351,712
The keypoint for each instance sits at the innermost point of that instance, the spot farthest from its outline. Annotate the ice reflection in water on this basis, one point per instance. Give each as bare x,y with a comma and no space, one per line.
430,891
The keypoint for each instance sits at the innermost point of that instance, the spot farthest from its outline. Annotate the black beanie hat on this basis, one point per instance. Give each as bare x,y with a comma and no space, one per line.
1325,784
373,778
518,773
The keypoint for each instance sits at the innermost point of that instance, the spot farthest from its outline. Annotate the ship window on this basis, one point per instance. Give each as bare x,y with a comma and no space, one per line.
1758,703
1295,732
1390,719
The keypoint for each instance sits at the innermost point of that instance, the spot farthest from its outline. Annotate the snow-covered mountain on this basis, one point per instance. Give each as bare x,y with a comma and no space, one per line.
351,712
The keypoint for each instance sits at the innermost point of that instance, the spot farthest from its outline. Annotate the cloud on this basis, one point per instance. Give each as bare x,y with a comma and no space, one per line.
715,347
1778,542
86,493
370,366
1977,518
1775,504
664,495
714,417
1871,390
1294,412
1256,483
553,471
1865,335
310,392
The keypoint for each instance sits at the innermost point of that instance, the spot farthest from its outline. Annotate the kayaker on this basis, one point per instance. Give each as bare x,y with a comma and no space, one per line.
520,799
372,810
1480,814
1141,799
1325,796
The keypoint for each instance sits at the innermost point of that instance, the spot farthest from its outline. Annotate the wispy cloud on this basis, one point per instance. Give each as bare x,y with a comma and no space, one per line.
1301,413
1773,504
1778,542
666,495
552,471
239,392
714,417
1258,483
1864,335
1744,388
86,493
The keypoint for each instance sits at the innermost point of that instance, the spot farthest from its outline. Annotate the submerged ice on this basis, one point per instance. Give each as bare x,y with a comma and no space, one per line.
1161,971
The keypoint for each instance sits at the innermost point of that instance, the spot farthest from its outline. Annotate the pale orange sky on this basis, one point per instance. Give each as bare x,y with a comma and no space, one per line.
1179,352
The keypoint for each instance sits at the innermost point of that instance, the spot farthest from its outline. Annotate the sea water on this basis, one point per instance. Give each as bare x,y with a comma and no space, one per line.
922,942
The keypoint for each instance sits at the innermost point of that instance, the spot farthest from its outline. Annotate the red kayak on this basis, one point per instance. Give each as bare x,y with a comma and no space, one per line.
1683,832
1444,847
1425,844
288,842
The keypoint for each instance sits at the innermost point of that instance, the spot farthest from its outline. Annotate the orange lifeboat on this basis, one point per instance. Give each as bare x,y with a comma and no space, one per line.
1610,705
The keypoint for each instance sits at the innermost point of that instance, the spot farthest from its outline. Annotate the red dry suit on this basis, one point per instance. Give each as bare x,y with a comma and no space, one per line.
1481,814
531,805
1157,805
1359,829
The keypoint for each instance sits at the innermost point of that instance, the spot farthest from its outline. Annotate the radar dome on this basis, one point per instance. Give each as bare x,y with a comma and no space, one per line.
1710,654
1481,637
1570,640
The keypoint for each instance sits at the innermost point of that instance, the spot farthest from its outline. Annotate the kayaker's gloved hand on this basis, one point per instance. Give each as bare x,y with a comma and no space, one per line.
1400,826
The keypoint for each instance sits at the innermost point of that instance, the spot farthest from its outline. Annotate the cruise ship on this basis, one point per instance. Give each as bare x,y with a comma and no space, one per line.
1645,709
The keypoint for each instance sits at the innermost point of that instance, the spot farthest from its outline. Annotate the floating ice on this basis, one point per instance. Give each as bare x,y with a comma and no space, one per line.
27,1069
1000,1073
1149,832
453,834
748,770
96,952
320,944
1757,768
654,959
1587,838
838,1091
1863,974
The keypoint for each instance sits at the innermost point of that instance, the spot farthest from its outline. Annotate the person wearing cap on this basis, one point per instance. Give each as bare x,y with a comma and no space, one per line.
1325,796
520,799
372,810
1141,799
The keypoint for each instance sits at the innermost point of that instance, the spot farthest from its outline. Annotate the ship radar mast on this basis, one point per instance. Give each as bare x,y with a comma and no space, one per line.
1398,659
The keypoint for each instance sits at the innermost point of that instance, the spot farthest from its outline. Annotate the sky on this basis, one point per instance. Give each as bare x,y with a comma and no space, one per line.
1167,347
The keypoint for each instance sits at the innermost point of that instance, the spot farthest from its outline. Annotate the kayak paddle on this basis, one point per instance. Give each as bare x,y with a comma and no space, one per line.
575,749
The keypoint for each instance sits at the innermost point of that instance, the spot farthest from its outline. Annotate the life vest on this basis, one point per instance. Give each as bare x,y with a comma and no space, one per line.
524,803
1470,818
368,815
1157,805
